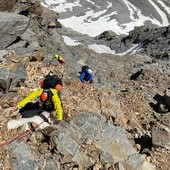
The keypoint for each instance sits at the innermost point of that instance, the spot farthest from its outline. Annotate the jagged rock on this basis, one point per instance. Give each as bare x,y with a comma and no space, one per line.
29,36
109,140
83,141
161,136
39,55
52,165
11,26
17,79
107,35
162,109
20,44
134,162
167,97
4,75
6,5
3,53
21,157
136,34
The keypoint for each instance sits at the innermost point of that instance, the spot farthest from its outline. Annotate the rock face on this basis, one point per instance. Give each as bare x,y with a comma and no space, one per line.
108,124
11,27
161,136
6,5
21,157
86,140
150,41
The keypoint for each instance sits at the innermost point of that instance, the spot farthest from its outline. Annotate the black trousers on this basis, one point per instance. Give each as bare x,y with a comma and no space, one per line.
33,109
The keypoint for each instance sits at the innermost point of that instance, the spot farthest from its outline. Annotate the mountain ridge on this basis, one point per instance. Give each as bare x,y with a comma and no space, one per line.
114,123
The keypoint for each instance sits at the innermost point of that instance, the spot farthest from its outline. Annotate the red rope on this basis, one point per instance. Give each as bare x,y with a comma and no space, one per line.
20,135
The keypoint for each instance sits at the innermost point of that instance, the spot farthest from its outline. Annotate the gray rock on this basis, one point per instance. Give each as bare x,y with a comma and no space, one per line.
110,140
17,79
161,136
167,97
4,79
11,26
29,36
20,44
21,157
27,164
52,165
22,51
3,53
6,5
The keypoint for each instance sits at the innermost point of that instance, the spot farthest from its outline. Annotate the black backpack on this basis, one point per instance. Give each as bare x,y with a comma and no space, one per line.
84,68
51,81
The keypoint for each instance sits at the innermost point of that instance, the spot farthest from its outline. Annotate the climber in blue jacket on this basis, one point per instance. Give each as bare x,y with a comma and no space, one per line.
86,74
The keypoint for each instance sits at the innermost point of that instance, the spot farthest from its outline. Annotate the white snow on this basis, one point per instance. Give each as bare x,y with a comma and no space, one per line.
165,7
94,23
165,21
131,8
101,49
132,50
93,28
62,5
91,2
12,124
69,41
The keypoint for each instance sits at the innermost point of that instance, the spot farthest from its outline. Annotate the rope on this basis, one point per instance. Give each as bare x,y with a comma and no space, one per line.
20,135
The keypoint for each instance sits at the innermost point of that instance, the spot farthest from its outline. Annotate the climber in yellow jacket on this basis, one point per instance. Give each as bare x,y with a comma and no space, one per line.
49,98
59,58
50,101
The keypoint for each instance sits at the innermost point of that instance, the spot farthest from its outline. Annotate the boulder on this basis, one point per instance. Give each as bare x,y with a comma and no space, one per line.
11,27
161,136
4,83
21,157
167,97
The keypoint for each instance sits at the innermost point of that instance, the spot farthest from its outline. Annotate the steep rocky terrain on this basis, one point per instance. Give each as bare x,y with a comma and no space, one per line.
121,121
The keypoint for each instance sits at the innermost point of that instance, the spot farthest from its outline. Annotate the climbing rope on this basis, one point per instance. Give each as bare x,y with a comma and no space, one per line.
21,135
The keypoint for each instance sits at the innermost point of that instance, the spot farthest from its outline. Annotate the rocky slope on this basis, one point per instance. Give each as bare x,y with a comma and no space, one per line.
119,122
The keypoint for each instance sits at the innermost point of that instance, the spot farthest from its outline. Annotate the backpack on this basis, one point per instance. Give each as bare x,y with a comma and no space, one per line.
84,68
51,81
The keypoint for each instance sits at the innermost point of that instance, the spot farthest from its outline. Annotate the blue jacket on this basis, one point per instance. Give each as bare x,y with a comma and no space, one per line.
85,76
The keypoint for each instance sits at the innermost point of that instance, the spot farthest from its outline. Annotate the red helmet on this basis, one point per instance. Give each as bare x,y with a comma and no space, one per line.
46,95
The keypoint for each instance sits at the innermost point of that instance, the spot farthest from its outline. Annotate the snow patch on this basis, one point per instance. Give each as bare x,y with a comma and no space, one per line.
132,50
101,49
94,23
69,41
13,124
165,21
165,7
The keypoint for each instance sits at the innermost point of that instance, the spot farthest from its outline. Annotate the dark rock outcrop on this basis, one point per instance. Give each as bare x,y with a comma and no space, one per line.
12,26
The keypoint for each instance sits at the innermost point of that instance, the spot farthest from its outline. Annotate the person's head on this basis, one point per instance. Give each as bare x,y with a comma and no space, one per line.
46,96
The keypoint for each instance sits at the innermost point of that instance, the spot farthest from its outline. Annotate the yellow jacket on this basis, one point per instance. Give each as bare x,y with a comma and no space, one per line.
58,57
55,99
